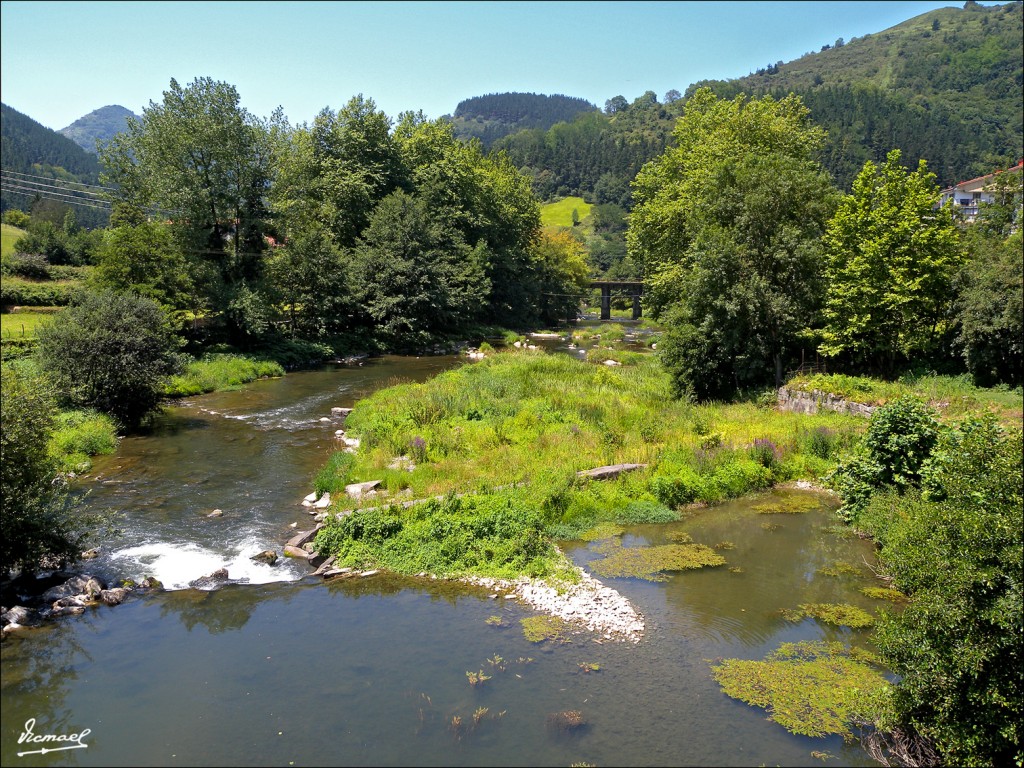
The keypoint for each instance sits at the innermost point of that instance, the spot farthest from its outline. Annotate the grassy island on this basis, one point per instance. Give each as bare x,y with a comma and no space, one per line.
493,450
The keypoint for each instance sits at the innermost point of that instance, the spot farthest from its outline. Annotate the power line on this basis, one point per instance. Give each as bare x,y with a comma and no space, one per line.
70,200
44,187
50,178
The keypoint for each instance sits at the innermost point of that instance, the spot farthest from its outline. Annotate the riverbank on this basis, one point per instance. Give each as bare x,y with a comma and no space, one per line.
502,451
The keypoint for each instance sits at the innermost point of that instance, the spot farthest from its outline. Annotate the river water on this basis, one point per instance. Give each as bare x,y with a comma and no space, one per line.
284,669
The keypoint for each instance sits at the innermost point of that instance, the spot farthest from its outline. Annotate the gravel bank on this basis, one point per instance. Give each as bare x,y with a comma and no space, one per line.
586,605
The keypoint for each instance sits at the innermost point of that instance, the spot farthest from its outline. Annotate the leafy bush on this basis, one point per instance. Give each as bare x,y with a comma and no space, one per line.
898,441
80,435
32,266
486,535
956,550
18,292
112,352
38,527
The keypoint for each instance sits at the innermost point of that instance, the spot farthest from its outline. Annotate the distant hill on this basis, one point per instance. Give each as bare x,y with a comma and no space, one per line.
491,117
100,125
41,165
945,86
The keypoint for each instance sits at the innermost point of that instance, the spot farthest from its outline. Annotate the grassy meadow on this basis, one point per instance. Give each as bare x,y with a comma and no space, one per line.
8,237
559,214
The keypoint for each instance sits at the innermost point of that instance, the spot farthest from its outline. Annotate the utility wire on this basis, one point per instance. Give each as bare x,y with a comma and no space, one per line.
69,199
89,195
50,178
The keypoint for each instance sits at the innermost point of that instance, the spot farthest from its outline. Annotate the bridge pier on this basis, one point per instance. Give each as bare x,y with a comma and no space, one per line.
633,289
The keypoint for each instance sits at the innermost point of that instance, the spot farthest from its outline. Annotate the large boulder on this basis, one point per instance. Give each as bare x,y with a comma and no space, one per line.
211,580
267,556
357,490
19,616
83,584
114,596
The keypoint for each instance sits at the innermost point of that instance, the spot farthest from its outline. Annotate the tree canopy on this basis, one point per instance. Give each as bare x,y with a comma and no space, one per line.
726,227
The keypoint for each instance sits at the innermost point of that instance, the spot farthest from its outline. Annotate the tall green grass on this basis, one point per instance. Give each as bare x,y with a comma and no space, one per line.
520,424
8,237
217,371
78,436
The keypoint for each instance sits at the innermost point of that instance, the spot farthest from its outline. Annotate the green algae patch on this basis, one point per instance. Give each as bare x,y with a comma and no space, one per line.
884,593
810,689
789,504
840,568
602,531
537,629
839,614
650,563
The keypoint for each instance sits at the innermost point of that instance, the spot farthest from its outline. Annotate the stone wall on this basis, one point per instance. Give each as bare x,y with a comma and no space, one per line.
816,400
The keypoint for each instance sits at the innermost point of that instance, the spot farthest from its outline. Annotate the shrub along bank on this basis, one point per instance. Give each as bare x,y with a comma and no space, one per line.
502,440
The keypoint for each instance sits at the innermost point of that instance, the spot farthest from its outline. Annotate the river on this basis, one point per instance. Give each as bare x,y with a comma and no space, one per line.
284,669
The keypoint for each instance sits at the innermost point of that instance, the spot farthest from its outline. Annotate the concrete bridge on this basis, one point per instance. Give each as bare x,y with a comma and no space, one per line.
633,289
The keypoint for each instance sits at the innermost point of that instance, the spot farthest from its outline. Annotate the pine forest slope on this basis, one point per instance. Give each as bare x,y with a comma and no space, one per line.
945,86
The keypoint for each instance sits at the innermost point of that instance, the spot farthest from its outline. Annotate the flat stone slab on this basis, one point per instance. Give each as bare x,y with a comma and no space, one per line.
355,490
609,472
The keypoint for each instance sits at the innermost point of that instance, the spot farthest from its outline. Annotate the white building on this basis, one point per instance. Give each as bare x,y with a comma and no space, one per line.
967,195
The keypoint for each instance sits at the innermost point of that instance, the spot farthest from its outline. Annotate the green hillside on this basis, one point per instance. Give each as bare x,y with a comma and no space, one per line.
559,214
41,163
945,86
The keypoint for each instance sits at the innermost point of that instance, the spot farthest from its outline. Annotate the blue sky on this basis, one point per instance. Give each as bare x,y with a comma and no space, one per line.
61,60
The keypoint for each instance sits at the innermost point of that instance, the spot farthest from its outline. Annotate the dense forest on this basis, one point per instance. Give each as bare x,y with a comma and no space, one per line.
41,166
495,115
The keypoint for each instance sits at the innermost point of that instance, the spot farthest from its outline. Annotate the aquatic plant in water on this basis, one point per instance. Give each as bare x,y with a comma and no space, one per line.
883,593
567,720
587,667
840,614
477,678
650,563
810,689
537,629
840,568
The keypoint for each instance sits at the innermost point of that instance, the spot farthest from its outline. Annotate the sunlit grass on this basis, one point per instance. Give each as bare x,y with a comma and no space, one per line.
559,214
953,396
220,371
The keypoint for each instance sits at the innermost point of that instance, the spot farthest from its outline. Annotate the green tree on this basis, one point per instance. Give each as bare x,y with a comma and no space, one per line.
956,551
726,226
310,278
37,524
414,276
892,256
991,309
206,164
111,351
332,173
486,200
561,262
144,258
